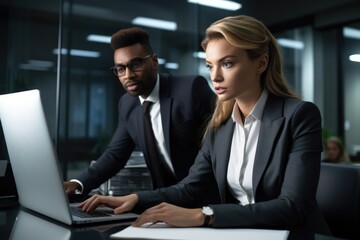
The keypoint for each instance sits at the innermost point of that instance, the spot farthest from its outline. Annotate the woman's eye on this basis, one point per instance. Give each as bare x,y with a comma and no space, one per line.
227,64
208,66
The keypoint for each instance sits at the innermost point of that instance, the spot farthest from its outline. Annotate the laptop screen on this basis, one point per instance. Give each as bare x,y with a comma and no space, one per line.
8,193
34,163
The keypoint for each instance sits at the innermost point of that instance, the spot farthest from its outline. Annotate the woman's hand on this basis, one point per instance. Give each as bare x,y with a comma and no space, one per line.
172,215
120,204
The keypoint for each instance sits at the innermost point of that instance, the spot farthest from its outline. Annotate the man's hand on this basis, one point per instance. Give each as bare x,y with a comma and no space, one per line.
71,187
120,204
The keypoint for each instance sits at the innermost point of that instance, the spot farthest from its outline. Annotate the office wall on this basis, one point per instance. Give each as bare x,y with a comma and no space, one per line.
80,93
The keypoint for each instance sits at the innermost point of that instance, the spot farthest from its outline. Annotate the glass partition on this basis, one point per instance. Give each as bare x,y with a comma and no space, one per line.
351,81
62,48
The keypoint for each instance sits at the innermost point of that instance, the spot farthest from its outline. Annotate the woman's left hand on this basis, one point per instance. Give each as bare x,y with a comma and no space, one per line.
172,215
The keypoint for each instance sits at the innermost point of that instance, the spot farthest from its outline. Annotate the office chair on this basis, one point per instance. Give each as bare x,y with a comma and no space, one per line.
338,196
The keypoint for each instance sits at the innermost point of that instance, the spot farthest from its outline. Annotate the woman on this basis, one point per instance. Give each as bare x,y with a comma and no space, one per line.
335,152
260,160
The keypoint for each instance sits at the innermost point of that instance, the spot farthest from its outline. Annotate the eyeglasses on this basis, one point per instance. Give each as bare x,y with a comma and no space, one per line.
134,65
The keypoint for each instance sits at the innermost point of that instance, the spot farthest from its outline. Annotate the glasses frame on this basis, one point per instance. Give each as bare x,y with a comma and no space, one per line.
128,65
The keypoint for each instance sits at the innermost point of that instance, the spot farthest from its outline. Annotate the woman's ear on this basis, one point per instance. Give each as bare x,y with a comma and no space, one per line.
263,61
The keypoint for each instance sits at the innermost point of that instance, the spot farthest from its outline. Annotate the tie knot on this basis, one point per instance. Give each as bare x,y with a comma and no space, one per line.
146,106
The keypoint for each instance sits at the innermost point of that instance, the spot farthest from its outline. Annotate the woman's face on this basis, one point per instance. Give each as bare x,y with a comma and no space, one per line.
232,73
332,151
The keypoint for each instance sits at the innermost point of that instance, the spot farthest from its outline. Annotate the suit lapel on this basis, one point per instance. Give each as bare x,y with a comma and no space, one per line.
165,109
271,122
222,147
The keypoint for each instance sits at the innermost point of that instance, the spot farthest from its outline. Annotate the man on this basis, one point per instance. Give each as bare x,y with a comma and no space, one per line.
180,109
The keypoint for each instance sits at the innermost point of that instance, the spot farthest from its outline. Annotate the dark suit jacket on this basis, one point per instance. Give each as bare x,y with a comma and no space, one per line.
186,103
285,175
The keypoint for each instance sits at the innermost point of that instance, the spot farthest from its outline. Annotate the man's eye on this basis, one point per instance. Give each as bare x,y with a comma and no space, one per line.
135,64
120,68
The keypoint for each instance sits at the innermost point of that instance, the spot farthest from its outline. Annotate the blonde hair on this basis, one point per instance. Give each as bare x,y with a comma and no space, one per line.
251,35
343,156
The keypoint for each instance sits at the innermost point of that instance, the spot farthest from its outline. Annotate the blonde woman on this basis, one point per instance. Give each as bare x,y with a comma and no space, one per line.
260,160
335,152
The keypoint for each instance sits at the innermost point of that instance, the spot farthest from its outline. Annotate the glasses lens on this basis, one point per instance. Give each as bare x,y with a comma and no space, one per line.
120,70
114,70
135,65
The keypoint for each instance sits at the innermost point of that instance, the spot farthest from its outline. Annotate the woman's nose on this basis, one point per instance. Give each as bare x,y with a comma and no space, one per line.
216,75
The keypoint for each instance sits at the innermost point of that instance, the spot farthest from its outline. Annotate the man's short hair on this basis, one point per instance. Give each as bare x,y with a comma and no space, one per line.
130,36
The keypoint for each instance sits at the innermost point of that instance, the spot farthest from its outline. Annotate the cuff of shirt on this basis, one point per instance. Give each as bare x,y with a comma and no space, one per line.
81,186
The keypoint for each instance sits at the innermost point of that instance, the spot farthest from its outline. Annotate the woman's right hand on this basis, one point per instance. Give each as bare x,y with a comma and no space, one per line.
120,204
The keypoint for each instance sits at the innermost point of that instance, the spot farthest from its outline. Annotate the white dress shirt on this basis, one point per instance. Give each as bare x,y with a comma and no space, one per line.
243,150
156,123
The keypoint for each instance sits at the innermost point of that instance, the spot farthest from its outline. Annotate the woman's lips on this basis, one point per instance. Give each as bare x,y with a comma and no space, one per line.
219,90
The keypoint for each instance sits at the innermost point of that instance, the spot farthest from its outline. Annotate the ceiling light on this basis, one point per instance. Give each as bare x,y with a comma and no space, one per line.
38,65
201,55
351,33
27,66
354,58
155,23
289,43
41,63
84,53
222,4
77,52
171,65
161,61
98,38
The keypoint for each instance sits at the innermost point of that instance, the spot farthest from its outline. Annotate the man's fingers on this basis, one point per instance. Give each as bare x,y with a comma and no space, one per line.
69,192
71,187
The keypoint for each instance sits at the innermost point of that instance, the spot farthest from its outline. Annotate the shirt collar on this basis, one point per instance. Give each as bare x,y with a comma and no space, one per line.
256,112
154,95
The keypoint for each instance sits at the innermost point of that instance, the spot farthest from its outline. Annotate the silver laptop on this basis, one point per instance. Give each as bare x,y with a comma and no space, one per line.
35,165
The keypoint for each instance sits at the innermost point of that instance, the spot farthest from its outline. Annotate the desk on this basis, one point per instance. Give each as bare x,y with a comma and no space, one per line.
34,226
31,225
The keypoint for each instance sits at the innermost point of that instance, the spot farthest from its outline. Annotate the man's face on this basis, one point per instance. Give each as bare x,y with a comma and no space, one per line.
141,80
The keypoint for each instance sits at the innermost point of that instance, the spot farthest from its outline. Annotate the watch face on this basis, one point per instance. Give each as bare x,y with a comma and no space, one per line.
208,211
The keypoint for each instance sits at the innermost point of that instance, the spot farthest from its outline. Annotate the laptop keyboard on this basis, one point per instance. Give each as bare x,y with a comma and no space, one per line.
79,213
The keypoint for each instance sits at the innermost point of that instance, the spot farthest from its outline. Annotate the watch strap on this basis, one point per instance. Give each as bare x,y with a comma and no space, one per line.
207,221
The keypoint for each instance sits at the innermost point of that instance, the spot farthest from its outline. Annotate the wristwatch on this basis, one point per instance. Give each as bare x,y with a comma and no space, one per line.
209,213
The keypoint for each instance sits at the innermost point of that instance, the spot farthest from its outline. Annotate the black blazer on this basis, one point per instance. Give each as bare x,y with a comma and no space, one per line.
285,175
186,103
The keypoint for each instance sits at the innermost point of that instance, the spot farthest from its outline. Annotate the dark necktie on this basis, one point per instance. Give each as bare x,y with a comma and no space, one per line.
155,159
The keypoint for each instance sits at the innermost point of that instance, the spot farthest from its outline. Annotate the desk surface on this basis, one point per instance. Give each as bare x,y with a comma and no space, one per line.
18,223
